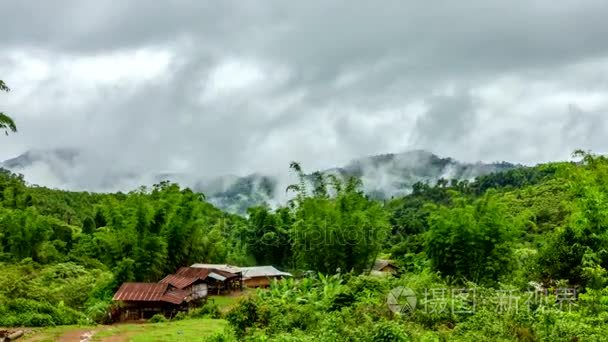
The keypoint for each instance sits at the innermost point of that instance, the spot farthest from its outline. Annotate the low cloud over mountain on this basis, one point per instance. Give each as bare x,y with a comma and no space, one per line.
383,176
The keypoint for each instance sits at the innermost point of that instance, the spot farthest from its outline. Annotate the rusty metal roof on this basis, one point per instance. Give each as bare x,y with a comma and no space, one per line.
225,273
179,281
175,296
191,272
203,273
140,292
149,292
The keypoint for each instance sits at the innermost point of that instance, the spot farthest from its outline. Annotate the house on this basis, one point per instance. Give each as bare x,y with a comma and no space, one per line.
261,276
385,266
196,287
144,300
217,281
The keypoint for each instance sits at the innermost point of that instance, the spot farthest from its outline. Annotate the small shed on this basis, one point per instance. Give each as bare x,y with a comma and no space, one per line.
385,266
261,276
144,300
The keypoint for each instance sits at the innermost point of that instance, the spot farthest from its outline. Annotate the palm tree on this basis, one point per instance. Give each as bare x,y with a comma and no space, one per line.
6,123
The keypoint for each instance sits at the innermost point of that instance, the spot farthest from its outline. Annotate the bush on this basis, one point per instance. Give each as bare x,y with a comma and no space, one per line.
158,318
388,331
36,320
211,310
99,312
225,336
244,315
180,316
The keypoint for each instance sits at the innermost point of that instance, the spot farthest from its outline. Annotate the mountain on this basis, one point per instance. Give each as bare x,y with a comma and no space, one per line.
383,176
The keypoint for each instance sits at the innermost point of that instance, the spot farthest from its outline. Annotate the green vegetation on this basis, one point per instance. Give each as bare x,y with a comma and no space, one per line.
6,123
185,330
528,245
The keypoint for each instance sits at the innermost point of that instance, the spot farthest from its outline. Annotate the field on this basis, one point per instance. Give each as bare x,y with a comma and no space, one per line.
223,302
186,330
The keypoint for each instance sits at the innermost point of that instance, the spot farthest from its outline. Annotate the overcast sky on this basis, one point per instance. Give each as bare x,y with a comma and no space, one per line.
219,87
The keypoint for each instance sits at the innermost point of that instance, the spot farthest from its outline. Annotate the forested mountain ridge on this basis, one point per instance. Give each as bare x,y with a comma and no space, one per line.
383,176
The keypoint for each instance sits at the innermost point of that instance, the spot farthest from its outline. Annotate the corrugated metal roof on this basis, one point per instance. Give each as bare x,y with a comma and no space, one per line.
227,274
262,271
146,292
222,267
247,272
379,264
203,273
179,281
149,292
216,276
192,272
175,296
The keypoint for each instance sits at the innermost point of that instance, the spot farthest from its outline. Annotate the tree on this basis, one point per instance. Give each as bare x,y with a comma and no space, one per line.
6,123
340,233
471,242
88,226
267,235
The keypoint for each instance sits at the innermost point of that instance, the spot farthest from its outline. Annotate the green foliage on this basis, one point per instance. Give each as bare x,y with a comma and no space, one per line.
269,236
63,254
340,233
471,242
389,331
158,318
79,248
6,123
210,310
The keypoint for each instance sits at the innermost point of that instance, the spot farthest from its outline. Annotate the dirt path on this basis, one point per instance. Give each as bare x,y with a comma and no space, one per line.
76,336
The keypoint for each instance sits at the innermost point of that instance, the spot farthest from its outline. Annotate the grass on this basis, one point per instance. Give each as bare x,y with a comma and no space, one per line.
223,302
177,331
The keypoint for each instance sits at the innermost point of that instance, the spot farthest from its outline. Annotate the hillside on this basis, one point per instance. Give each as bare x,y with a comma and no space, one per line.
63,254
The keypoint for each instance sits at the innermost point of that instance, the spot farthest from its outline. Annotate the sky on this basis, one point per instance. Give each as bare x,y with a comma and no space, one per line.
233,87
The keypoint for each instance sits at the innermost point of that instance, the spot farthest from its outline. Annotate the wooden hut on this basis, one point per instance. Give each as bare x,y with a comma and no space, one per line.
144,300
384,267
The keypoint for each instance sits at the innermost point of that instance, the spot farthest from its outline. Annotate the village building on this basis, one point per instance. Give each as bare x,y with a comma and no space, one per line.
217,281
144,300
384,267
262,276
252,277
196,288
189,287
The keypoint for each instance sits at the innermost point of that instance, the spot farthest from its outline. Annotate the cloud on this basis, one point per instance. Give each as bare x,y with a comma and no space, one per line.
233,88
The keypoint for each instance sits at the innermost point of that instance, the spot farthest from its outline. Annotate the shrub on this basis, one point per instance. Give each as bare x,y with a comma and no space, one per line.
180,316
158,318
243,315
208,310
36,320
99,312
388,331
225,336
